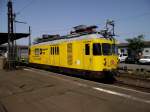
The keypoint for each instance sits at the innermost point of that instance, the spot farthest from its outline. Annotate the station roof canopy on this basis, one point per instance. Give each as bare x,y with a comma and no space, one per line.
4,37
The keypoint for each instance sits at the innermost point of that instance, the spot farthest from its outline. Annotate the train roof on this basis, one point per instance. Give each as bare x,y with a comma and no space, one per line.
71,38
78,31
57,37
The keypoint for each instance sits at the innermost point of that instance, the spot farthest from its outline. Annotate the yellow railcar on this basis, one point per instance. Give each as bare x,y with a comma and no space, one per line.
89,54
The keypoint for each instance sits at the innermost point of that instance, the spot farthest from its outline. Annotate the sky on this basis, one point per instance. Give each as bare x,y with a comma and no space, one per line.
132,17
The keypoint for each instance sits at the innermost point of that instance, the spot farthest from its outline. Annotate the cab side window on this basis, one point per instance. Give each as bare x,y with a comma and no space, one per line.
87,49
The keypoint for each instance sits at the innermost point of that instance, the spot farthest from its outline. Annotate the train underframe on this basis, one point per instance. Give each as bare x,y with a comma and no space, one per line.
107,75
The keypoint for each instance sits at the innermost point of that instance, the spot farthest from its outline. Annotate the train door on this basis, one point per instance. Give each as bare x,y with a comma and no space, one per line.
56,57
51,55
69,54
107,53
87,56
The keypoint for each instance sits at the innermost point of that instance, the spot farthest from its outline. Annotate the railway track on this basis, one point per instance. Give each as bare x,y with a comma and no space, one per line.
131,86
132,81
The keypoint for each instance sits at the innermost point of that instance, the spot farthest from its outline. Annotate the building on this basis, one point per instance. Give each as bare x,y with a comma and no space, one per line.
123,48
21,52
146,50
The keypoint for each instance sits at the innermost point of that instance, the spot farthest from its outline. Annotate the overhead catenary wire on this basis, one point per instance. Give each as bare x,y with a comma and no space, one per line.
65,29
134,17
25,7
103,26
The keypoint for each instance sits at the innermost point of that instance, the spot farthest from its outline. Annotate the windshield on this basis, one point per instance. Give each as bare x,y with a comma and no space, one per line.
97,49
106,48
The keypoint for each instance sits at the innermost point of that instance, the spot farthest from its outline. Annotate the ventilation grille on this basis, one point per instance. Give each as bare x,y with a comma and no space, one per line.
69,54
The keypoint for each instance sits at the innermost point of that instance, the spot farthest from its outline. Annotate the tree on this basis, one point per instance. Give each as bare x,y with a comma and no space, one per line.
37,39
135,46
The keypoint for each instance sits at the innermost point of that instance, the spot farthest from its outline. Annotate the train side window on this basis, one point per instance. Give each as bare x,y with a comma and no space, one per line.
37,51
97,49
52,50
57,50
87,49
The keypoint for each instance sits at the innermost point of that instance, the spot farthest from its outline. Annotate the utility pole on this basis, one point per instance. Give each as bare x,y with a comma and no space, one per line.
29,50
11,49
29,36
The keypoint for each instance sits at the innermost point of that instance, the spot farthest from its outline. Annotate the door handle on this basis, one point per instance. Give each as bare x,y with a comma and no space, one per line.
90,60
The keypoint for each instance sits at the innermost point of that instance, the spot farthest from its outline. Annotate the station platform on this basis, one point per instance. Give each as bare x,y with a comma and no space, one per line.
33,90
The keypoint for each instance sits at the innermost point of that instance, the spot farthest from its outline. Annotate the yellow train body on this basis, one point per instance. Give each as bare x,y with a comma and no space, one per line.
88,52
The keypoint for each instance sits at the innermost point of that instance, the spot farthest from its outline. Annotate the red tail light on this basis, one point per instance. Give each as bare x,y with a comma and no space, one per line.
104,61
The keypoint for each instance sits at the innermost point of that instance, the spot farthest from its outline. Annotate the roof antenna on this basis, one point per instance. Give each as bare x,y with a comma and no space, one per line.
108,32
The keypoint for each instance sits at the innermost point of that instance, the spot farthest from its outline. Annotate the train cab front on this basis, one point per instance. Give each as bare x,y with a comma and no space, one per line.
105,59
